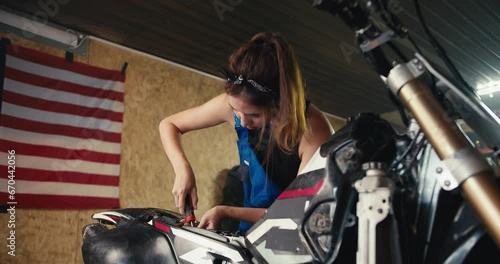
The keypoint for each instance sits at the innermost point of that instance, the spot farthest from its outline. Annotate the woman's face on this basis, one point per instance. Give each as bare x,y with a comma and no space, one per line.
251,116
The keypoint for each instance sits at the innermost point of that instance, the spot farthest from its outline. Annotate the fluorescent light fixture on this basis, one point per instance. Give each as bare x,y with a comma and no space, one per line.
488,88
31,28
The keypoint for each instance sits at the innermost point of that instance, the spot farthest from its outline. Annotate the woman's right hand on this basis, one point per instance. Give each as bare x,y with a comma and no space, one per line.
211,113
185,185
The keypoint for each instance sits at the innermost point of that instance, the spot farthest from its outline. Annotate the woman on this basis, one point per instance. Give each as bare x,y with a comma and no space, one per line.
278,130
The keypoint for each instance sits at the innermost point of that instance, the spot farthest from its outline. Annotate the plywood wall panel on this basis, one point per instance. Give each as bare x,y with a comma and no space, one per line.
23,235
54,234
42,236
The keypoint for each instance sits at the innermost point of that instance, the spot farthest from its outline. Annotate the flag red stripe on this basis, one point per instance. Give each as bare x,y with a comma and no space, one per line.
302,192
71,131
60,85
60,201
61,176
59,153
58,107
61,63
101,93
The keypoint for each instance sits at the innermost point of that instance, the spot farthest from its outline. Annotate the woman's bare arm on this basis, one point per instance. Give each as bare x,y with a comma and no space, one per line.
211,113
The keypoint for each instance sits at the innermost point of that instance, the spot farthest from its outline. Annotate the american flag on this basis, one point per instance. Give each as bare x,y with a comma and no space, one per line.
63,120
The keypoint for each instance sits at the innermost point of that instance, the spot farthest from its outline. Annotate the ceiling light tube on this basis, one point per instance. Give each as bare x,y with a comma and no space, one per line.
489,88
36,28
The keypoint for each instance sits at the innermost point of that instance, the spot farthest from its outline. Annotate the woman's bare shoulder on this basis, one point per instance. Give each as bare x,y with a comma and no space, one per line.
318,123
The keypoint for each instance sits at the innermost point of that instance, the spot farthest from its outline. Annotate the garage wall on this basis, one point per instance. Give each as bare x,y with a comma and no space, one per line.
154,89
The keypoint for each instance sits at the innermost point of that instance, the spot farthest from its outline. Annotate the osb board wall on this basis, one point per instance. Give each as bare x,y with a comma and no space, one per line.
154,90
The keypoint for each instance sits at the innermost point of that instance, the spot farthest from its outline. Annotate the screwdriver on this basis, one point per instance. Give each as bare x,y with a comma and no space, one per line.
189,211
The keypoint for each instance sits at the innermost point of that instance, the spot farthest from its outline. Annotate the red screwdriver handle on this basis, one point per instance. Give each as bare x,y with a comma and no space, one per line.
189,211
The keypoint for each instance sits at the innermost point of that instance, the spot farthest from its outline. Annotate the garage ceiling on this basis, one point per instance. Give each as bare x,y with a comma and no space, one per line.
202,33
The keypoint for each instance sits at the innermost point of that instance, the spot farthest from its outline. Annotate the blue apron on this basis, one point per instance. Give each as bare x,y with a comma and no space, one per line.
259,190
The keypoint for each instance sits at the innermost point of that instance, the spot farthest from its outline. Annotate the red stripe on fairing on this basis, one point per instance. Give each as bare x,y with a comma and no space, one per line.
61,63
302,192
163,227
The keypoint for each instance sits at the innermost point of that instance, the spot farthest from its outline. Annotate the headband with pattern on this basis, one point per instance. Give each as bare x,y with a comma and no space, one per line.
242,81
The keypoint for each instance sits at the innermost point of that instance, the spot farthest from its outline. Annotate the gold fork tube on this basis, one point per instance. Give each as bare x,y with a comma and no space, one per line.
480,190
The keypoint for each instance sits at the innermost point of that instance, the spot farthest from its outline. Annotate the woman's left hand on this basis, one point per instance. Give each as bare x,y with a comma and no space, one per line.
212,218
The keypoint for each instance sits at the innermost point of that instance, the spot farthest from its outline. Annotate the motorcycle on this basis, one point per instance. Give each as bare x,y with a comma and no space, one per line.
369,194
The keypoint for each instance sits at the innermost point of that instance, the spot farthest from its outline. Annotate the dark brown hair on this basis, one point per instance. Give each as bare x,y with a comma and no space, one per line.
270,60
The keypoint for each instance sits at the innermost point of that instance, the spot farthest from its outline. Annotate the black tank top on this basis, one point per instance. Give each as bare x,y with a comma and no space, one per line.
282,168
